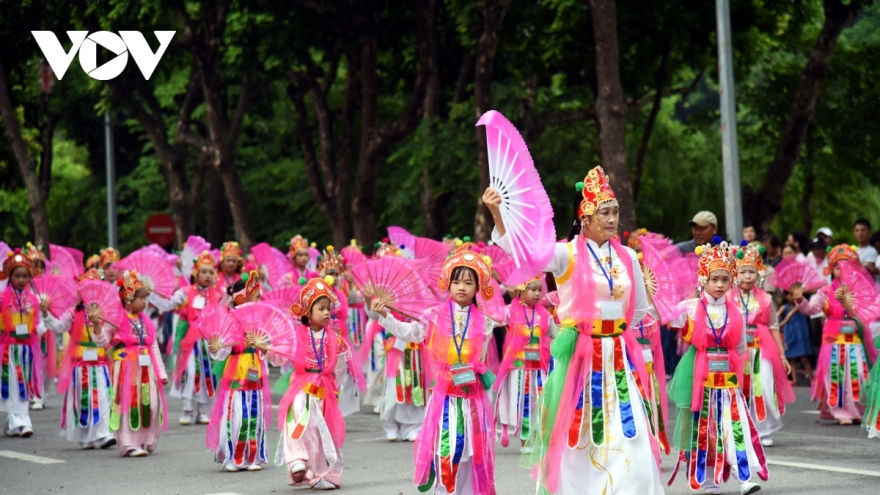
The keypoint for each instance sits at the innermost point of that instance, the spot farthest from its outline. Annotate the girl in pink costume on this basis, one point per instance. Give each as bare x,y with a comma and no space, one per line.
455,450
847,350
231,264
312,426
138,411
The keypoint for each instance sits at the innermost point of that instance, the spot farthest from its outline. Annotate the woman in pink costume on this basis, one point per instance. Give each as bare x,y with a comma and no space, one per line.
455,450
593,427
312,426
846,351
138,411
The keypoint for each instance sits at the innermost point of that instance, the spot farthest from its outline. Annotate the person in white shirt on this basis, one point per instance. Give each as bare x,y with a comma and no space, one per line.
867,253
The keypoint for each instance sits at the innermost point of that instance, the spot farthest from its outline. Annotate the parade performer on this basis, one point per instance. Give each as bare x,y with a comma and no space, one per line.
871,399
84,379
231,264
299,257
765,375
526,361
312,426
455,450
20,331
243,408
592,427
357,315
194,381
109,256
714,431
843,362
47,339
138,411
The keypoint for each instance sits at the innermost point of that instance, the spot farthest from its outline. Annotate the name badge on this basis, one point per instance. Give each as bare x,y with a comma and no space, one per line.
610,310
463,374
144,360
253,375
90,355
847,328
532,353
199,302
648,355
21,329
399,344
718,361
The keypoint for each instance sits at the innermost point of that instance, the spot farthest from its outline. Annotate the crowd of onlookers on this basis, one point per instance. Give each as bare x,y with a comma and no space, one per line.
803,334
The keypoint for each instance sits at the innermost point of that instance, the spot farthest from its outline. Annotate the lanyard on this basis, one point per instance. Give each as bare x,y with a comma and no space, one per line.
531,323
610,263
467,322
745,304
20,305
642,329
319,356
717,336
139,327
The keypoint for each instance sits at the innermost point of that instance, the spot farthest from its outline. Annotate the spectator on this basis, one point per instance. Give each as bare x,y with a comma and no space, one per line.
704,226
818,250
773,248
875,241
867,253
800,242
749,234
789,251
825,235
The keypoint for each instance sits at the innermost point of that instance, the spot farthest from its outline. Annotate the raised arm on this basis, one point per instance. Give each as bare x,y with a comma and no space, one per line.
415,331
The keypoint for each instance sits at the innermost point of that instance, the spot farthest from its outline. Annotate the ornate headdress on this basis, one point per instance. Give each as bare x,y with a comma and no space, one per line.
838,253
230,250
315,289
751,255
634,240
204,259
251,280
385,248
715,258
35,252
596,191
129,284
109,255
15,259
330,259
94,261
90,274
522,287
475,262
298,243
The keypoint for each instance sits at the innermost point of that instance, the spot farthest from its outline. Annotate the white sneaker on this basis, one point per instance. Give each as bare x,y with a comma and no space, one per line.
186,419
254,467
411,436
230,466
137,452
748,487
87,446
27,431
526,449
298,467
202,419
767,441
392,437
13,432
37,404
324,485
108,442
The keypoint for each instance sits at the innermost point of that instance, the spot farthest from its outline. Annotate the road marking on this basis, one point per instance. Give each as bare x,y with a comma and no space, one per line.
819,467
811,412
375,439
29,458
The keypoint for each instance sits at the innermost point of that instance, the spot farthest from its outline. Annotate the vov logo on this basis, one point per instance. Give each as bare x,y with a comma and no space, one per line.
87,45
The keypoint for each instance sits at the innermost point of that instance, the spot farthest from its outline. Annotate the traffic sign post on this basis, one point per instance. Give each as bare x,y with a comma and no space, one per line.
160,229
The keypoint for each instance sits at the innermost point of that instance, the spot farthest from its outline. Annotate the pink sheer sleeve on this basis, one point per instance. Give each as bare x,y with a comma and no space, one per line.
814,306
163,375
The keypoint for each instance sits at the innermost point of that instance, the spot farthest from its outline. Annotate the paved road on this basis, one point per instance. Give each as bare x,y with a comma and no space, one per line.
181,465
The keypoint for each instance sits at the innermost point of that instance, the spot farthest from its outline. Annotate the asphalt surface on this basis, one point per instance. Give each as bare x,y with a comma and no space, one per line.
373,466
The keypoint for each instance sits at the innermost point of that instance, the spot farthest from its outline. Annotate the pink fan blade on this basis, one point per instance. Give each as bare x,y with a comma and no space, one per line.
265,258
105,296
404,240
525,207
153,270
431,255
270,319
66,261
353,256
192,248
216,322
669,271
397,280
4,248
494,308
286,296
861,284
501,262
60,291
791,271
313,259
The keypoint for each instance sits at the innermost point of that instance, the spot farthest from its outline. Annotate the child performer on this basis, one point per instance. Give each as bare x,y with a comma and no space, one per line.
84,380
713,425
526,361
109,256
243,409
299,257
20,354
47,339
455,451
765,377
231,263
194,382
843,361
402,408
138,411
312,426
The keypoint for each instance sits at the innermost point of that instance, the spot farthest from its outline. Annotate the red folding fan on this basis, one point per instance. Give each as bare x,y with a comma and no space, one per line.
58,290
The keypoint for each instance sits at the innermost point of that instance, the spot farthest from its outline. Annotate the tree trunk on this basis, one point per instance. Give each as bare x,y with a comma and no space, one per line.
48,133
611,109
492,12
216,209
761,207
659,82
26,164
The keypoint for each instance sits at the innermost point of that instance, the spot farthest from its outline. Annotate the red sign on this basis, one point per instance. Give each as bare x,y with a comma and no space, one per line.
160,229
